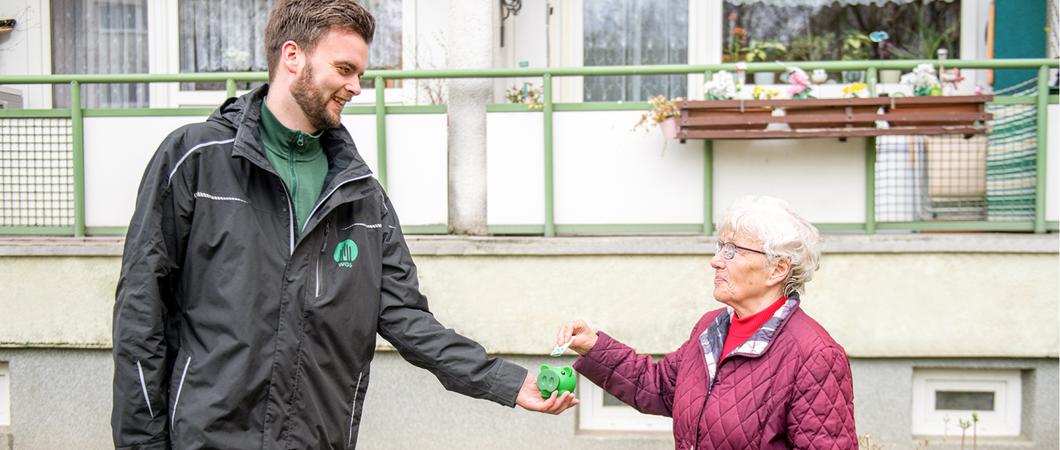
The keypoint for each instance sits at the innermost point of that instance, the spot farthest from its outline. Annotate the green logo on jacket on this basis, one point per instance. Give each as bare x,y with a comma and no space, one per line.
345,253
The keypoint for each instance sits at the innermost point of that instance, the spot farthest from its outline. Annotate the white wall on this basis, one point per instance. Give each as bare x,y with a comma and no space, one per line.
27,49
117,150
607,173
1052,172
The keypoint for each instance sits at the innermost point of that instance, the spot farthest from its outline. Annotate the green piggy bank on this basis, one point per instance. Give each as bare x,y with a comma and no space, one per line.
552,379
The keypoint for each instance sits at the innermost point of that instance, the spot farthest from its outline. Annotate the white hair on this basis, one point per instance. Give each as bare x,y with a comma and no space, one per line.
784,234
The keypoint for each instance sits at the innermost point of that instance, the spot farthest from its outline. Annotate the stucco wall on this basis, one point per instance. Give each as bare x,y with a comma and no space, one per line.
879,297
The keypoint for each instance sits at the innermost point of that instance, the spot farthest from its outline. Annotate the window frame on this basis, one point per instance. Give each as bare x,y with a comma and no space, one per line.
705,41
1003,421
593,416
164,28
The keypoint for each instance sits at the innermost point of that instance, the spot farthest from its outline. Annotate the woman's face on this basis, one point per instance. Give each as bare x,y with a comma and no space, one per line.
744,276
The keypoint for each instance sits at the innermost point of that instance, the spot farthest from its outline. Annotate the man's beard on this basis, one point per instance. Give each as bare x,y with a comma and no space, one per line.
314,103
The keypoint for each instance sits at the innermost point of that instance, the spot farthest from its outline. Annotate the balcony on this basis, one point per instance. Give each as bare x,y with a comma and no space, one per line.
574,168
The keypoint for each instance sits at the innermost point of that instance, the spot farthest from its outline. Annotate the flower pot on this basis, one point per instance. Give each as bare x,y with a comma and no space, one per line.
890,76
853,76
765,78
669,128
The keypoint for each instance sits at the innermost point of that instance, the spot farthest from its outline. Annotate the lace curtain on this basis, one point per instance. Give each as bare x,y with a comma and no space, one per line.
632,32
100,36
228,36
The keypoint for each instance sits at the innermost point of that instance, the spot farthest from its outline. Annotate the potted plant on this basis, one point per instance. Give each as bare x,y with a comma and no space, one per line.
661,114
812,48
762,51
883,51
856,46
734,50
527,94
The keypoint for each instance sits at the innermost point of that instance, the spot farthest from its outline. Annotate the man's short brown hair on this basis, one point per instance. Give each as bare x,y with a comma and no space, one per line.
306,21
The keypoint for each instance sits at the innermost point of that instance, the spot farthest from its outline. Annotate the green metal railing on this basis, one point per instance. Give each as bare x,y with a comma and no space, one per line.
76,113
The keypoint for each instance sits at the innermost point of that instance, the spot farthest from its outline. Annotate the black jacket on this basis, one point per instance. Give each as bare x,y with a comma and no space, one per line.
231,333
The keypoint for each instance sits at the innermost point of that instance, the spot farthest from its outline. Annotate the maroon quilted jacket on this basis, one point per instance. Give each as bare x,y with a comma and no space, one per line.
788,386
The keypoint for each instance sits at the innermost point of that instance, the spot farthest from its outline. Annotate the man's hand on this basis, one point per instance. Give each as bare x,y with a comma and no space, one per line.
583,335
530,398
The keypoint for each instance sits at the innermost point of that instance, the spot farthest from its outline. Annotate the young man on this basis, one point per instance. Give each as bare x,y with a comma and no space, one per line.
262,260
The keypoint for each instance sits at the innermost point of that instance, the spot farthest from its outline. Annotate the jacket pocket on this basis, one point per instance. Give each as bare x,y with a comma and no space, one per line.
143,388
318,271
354,422
180,390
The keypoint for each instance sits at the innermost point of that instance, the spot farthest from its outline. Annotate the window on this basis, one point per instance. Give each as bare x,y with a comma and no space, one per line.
814,30
5,396
599,411
229,36
632,32
944,401
100,36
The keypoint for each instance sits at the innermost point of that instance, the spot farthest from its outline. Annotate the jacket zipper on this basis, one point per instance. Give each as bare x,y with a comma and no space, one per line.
323,246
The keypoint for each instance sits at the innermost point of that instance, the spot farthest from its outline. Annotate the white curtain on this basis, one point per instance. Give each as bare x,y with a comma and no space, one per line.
100,36
229,36
632,32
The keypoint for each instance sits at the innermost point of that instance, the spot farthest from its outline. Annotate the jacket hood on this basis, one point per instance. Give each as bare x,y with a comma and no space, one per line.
243,115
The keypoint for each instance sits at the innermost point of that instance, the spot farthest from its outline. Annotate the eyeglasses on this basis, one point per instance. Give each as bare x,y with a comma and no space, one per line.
727,250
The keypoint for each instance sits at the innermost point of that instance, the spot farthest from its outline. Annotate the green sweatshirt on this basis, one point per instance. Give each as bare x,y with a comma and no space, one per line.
299,160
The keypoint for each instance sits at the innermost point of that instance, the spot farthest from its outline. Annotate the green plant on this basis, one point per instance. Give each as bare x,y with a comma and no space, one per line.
761,51
812,48
929,40
856,46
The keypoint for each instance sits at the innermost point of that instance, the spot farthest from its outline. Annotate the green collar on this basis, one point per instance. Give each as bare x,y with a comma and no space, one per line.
278,139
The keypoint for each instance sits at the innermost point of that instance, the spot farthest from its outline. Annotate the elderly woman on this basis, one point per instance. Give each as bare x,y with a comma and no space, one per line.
759,373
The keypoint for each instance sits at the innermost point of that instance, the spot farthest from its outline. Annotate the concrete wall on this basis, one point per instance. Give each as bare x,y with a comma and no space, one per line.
880,296
407,408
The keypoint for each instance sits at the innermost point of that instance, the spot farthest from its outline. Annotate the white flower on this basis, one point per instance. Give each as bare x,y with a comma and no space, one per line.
922,77
720,87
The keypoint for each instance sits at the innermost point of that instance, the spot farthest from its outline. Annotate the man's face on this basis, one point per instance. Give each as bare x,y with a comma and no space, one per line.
330,77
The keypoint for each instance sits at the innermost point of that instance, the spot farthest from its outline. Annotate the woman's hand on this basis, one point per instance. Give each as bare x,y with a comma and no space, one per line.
584,336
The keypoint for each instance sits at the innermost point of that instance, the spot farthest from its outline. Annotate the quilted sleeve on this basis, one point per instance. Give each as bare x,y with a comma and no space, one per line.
646,385
821,415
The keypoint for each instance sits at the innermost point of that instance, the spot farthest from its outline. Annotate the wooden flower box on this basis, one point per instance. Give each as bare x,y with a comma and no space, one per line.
833,117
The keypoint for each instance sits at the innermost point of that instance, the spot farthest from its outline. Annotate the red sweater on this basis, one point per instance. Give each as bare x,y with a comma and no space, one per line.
742,329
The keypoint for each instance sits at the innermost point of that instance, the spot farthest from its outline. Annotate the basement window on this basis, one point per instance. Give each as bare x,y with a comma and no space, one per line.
945,400
600,411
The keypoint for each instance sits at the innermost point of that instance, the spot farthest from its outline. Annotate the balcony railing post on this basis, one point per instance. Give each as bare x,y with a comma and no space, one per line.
77,142
1042,105
870,185
230,88
871,80
550,220
380,130
708,187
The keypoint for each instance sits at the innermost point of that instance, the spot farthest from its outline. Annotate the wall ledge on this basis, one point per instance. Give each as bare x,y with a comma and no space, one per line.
608,245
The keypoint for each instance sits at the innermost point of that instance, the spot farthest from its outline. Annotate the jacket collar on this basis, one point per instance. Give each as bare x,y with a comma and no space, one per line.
243,114
712,339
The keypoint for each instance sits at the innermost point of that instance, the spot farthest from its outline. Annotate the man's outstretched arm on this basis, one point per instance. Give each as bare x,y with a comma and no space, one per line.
460,363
